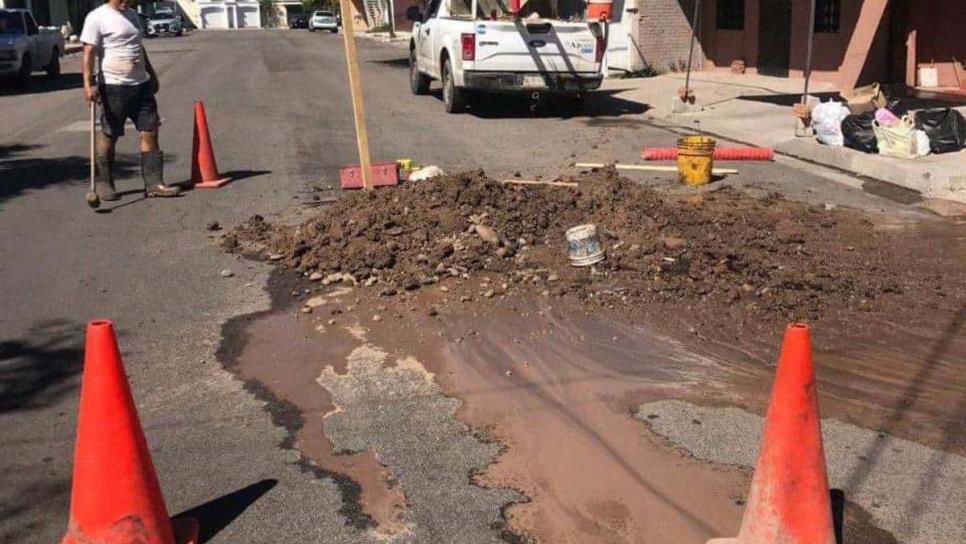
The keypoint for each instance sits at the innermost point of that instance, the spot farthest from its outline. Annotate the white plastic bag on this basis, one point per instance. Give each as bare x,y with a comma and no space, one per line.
922,143
827,121
898,140
426,172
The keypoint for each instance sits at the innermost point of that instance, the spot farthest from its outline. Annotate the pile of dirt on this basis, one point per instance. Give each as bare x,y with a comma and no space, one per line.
723,251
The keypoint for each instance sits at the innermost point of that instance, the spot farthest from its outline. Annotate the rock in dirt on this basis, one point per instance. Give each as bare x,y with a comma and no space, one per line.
488,234
315,302
227,273
213,225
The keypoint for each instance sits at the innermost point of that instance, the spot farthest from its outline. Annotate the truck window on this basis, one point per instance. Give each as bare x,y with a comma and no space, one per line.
499,9
432,10
11,23
31,25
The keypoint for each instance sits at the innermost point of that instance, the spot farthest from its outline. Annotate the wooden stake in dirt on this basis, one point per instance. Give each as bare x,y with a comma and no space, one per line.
355,88
552,183
651,168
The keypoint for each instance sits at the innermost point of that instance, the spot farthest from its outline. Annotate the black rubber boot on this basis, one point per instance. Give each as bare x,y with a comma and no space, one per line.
152,170
104,179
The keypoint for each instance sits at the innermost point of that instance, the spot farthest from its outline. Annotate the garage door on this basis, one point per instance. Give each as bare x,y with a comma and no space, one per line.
214,18
248,17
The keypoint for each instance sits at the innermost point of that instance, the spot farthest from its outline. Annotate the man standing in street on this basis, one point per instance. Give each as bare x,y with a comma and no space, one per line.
125,86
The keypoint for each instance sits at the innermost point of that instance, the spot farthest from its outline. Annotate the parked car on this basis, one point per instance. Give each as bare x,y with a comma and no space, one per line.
164,21
298,21
26,47
525,54
323,20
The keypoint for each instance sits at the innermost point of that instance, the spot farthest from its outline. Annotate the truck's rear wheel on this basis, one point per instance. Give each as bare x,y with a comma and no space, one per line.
53,69
454,98
418,82
26,68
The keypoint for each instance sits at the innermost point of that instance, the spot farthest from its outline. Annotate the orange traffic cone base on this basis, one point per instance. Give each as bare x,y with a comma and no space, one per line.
212,184
185,530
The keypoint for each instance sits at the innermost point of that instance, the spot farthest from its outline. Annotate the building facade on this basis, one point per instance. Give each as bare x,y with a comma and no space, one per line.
229,14
856,41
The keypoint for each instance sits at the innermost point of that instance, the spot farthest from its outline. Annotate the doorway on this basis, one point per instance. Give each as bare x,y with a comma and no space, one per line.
775,37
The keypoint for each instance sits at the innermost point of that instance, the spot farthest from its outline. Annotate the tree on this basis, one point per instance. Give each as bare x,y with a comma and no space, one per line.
308,6
270,15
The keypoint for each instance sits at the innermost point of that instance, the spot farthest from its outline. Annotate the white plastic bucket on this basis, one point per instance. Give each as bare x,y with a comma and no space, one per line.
583,245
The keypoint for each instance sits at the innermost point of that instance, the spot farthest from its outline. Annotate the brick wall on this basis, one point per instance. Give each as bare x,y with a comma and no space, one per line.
664,34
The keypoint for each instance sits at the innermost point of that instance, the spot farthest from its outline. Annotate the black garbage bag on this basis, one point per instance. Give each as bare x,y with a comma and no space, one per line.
858,134
946,129
898,107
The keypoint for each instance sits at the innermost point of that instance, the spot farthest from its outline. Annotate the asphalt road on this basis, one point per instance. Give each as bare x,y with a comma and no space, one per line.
279,113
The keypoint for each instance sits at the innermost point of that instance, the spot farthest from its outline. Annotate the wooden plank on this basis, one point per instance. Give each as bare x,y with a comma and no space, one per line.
355,88
651,168
538,182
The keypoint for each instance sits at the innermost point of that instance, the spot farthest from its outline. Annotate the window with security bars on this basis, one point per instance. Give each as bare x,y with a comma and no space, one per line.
731,14
828,15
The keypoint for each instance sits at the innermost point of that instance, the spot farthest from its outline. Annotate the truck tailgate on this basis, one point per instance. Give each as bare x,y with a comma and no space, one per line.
535,46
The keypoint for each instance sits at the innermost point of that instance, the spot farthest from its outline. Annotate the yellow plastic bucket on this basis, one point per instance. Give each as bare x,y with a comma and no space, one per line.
695,159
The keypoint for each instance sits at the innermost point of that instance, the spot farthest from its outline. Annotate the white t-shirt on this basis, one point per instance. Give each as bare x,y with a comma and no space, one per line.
117,37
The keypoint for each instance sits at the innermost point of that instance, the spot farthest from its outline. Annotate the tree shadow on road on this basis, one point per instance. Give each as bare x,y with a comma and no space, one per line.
42,84
31,507
215,515
952,428
37,370
19,172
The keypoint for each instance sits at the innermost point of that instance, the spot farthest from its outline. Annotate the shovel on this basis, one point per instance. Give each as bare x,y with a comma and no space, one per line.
93,200
684,101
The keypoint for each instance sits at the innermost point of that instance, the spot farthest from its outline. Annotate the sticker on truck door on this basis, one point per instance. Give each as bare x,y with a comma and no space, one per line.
585,47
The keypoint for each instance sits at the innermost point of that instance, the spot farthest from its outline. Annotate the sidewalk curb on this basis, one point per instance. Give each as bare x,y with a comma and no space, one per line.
931,184
383,37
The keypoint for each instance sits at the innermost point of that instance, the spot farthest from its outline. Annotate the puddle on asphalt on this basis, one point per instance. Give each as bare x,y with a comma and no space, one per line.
398,405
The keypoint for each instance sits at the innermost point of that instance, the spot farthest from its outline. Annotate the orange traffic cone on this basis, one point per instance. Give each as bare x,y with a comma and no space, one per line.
115,497
789,500
204,170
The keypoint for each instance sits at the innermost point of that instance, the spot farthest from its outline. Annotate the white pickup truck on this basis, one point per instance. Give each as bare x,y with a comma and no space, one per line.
25,47
479,46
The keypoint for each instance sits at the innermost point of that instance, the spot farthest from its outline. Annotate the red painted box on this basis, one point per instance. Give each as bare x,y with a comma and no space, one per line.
383,174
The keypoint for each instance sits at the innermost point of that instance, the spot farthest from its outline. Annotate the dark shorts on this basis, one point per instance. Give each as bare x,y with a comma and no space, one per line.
122,102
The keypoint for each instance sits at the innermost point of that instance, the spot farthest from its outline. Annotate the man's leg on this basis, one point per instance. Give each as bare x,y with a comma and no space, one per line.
152,159
106,142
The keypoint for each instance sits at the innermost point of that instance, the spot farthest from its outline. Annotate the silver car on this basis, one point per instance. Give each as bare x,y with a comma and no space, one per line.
164,21
323,20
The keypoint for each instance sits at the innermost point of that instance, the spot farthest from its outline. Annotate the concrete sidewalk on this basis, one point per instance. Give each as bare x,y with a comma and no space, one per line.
756,110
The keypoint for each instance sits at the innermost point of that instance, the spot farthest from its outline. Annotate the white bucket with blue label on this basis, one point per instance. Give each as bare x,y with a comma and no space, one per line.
583,245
